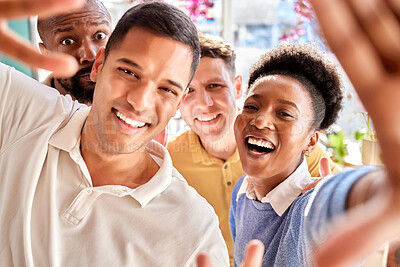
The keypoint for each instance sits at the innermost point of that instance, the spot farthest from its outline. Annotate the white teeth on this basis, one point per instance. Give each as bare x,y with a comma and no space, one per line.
207,119
260,142
129,121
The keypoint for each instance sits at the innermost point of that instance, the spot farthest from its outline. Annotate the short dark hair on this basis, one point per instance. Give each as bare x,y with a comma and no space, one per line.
43,24
310,66
161,19
216,47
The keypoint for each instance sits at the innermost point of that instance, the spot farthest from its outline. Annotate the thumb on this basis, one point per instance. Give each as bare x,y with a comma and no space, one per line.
324,168
254,254
203,260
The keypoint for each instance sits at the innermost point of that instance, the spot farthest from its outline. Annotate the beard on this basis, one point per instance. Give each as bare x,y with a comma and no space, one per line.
78,87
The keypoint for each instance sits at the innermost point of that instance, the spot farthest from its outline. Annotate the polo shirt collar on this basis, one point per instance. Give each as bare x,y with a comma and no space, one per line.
161,180
144,193
71,129
283,195
200,155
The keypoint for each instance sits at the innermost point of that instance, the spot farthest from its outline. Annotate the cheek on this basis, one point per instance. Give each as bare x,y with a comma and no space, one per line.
186,107
239,125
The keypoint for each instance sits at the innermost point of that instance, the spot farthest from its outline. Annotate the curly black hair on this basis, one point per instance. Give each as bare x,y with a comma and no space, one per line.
310,66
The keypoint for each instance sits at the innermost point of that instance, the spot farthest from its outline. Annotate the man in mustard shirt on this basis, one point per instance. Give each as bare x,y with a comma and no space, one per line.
206,154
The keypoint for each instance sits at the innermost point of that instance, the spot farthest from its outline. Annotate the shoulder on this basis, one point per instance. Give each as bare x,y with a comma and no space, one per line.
238,184
190,201
236,190
179,141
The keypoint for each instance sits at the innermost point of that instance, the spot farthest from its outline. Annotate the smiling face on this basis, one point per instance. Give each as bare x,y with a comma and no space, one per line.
80,34
139,87
210,106
274,128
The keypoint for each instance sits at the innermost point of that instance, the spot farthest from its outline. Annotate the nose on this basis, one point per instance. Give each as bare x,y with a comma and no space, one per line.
87,51
203,98
142,97
263,121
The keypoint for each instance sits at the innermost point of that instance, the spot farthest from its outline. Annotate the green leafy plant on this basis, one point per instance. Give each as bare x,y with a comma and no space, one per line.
338,146
367,133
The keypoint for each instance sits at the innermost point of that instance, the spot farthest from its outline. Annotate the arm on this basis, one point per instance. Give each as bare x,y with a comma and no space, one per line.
15,47
366,39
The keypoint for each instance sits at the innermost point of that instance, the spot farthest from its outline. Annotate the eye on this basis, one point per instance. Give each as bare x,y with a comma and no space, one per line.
100,36
214,85
190,90
250,107
128,72
67,41
168,90
285,114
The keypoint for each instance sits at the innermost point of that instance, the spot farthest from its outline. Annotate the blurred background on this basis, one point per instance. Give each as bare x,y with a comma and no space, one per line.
252,27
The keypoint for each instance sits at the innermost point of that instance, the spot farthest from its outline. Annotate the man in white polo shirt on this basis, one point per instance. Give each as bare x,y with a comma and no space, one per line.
86,186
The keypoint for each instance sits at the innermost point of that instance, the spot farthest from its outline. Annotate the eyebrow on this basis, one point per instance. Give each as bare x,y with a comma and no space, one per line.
135,65
68,29
288,103
282,101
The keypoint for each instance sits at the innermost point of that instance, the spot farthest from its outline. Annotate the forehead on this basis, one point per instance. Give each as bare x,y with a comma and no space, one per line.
212,68
91,15
281,86
156,56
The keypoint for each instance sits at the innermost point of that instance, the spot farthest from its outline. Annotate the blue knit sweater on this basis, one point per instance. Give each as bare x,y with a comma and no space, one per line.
290,239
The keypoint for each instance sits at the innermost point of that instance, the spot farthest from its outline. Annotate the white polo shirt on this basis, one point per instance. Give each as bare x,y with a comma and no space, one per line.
50,213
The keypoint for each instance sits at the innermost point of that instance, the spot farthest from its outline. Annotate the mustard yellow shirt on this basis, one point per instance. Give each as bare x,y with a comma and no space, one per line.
214,178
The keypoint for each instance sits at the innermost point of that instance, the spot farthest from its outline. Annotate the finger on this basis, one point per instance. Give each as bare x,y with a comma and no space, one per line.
349,43
24,8
324,168
381,26
61,64
203,260
254,254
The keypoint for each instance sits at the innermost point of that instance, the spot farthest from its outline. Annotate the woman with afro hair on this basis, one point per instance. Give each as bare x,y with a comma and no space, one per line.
293,92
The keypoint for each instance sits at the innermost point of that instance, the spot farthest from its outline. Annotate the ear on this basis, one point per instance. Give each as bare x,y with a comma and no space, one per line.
182,99
313,141
98,64
238,86
42,48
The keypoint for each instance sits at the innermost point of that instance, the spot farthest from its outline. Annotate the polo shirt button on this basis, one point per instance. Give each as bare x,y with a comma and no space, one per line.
89,191
225,166
228,183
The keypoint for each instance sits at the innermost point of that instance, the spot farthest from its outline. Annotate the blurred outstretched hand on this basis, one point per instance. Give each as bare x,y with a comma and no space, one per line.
365,36
16,47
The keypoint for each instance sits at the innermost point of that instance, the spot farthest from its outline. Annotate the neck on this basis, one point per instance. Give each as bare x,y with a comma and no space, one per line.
105,168
223,148
262,185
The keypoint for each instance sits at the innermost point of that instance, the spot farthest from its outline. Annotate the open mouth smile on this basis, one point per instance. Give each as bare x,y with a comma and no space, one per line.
259,145
132,123
207,119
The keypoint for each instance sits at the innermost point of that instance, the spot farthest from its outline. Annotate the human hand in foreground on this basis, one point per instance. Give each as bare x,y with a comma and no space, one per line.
365,36
253,256
324,170
19,49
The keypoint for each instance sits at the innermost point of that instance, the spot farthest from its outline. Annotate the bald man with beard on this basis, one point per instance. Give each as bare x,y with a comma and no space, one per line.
80,34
